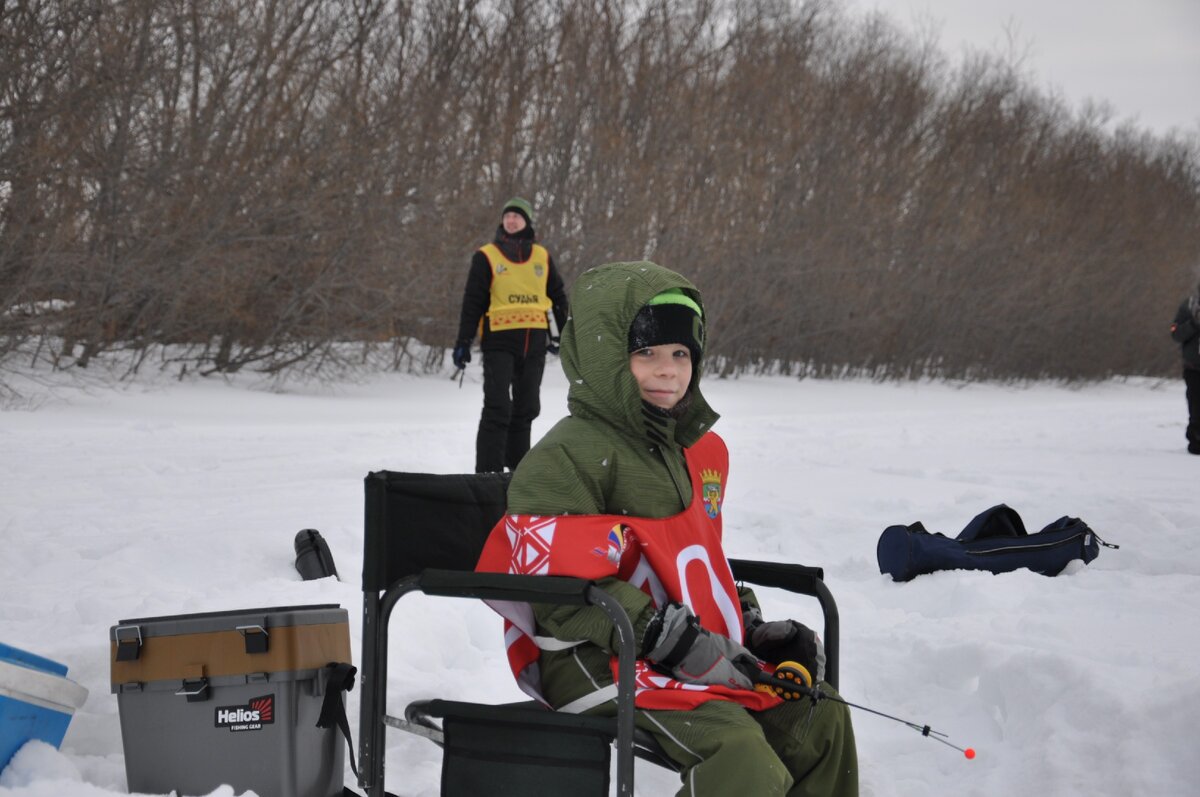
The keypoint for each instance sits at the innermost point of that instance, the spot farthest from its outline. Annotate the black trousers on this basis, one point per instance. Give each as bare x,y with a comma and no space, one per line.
1191,378
512,385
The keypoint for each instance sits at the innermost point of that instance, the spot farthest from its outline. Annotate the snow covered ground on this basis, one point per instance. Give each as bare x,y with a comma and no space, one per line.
170,498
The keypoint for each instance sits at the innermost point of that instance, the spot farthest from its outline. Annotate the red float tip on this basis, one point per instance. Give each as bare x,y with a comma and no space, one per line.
969,752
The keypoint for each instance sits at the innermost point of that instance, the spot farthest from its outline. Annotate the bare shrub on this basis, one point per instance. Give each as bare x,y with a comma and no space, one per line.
252,184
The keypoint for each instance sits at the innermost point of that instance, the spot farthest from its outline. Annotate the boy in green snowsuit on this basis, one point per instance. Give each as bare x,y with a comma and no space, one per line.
632,351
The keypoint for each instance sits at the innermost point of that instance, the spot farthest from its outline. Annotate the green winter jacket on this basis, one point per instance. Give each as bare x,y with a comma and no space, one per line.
612,455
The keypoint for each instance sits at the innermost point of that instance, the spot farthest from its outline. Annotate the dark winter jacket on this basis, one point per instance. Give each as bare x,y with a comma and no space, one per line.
612,455
477,296
1186,331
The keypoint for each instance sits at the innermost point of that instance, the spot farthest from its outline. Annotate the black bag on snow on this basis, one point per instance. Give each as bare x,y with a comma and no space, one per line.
313,559
995,540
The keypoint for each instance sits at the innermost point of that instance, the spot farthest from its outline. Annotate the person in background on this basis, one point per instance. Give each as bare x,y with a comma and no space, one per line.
513,296
1185,331
628,491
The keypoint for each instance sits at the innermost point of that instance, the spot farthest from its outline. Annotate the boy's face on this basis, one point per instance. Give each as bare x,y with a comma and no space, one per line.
513,222
663,373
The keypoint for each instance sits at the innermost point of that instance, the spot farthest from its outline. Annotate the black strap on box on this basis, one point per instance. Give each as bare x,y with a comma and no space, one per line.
340,678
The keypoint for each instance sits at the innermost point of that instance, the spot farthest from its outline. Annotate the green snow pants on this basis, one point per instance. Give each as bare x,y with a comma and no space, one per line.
793,750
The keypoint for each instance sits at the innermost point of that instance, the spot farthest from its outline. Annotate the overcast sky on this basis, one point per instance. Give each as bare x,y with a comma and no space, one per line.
1141,56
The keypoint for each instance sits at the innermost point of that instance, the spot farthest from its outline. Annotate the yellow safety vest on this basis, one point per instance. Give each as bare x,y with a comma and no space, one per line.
518,299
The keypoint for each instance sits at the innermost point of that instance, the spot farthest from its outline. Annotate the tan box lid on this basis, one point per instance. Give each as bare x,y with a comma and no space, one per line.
232,643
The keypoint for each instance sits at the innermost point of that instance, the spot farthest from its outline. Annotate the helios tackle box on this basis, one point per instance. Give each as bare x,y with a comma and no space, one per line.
230,698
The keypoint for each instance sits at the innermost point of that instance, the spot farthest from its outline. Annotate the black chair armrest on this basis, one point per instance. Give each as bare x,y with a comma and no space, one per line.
504,587
794,578
804,581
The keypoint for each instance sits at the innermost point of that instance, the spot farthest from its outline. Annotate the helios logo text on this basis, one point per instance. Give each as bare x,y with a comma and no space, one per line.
252,716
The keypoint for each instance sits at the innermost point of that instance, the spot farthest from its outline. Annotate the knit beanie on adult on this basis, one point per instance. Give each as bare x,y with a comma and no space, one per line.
518,205
669,317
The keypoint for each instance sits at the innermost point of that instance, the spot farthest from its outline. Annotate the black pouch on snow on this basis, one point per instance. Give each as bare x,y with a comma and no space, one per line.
995,540
313,559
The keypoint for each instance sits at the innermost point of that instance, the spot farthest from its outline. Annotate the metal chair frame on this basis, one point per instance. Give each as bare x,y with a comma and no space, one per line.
385,583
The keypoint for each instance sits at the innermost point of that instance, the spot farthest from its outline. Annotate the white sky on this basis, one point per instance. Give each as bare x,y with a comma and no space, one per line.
1142,57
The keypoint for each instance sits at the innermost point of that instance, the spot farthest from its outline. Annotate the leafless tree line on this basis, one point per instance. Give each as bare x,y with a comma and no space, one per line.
224,184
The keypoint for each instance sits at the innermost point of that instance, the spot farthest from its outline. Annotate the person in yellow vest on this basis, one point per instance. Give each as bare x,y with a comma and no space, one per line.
513,294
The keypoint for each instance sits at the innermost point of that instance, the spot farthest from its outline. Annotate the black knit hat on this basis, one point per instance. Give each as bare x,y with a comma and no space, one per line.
670,317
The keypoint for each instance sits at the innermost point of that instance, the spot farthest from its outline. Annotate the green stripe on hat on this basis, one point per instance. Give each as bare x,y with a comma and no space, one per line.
676,296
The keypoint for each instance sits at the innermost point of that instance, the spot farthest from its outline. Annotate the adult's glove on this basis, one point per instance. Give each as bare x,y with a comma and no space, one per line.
788,640
462,354
676,642
552,345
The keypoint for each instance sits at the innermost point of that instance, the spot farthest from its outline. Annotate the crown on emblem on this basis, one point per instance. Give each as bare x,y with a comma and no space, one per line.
708,476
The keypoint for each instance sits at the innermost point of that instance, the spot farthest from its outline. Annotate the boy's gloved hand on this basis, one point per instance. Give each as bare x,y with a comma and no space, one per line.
788,640
553,345
462,354
676,641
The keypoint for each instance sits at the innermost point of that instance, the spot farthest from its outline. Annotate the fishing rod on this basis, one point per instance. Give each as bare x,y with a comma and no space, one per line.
791,681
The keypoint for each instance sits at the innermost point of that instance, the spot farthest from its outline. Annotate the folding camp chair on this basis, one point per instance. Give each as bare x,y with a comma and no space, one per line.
424,533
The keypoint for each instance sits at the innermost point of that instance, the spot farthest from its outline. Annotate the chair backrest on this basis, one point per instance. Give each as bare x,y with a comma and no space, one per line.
416,521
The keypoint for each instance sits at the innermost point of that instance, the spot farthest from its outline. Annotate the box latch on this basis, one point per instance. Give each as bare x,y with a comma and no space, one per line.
195,684
130,644
256,637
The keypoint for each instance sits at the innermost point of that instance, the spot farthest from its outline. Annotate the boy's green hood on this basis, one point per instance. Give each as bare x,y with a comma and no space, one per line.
595,356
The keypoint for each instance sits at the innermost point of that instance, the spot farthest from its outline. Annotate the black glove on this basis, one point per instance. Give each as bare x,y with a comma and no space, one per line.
462,354
787,640
676,642
552,345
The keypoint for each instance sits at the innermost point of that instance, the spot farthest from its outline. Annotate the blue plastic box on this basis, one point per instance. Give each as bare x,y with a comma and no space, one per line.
37,700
